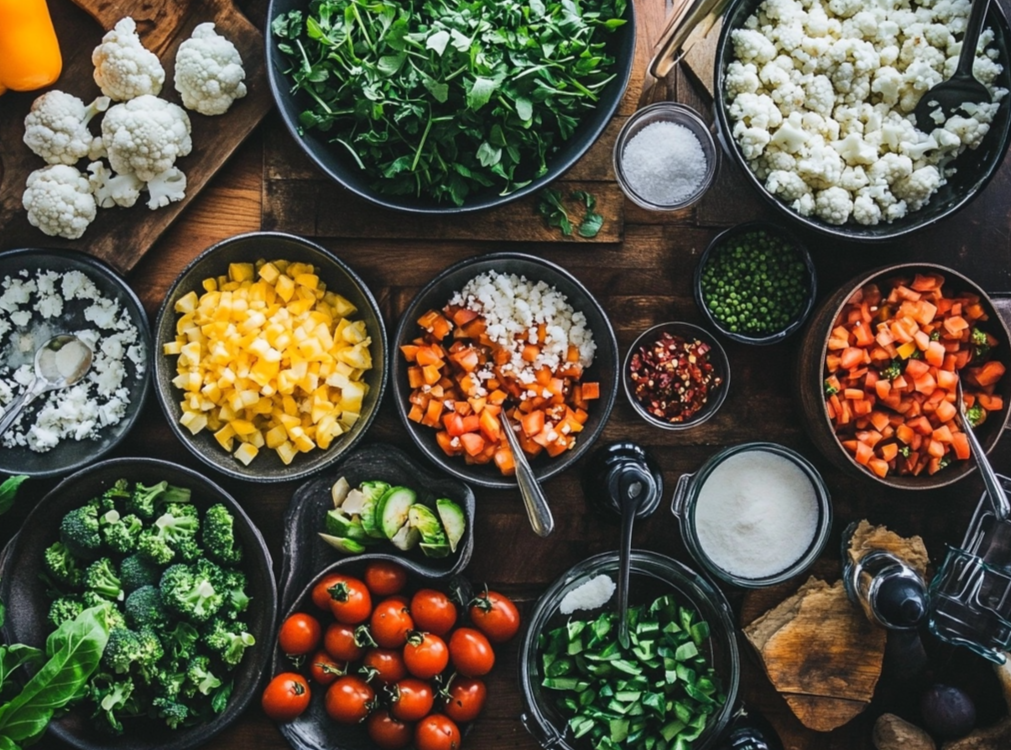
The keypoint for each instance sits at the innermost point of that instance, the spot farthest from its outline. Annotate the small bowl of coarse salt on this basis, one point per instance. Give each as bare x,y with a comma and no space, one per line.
665,157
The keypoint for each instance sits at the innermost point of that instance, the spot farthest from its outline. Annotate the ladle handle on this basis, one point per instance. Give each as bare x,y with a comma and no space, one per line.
990,480
628,511
15,407
973,28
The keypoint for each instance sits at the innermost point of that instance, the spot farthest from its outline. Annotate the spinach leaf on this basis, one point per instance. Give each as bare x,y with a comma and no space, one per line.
8,490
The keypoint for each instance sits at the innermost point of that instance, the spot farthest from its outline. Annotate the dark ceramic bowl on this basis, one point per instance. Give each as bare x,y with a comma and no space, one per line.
305,553
811,286
71,455
604,369
24,593
810,376
248,248
975,168
314,730
335,161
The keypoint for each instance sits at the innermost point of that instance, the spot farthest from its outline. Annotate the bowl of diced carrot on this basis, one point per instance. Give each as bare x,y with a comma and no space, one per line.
504,332
879,367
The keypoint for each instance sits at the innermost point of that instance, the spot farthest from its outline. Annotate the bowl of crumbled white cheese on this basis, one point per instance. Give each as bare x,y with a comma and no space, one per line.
48,292
815,101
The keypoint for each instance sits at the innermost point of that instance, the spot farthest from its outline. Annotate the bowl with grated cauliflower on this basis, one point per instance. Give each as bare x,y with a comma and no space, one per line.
815,100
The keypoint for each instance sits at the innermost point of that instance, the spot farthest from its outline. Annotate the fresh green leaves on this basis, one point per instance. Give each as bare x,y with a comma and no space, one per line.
551,206
442,100
8,490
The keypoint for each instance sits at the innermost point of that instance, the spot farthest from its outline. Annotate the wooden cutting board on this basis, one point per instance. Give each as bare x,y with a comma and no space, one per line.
298,198
121,236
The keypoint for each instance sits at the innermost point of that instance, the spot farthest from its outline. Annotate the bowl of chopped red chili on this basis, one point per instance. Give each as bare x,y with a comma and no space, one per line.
676,375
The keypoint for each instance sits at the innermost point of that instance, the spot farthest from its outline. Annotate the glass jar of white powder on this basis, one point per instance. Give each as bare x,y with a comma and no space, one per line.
754,515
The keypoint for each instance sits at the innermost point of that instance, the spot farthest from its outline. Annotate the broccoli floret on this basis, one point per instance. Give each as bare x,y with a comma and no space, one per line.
122,650
893,370
101,578
145,607
63,609
151,652
173,712
135,571
191,591
228,639
170,683
233,589
120,533
976,415
145,501
153,548
63,566
113,698
218,536
113,617
79,532
170,534
180,642
199,678
120,490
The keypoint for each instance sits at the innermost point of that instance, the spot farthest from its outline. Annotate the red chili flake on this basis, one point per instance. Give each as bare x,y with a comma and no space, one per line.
673,377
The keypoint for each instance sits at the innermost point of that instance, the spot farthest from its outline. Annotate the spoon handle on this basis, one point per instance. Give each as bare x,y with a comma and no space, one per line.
15,407
628,511
973,28
530,489
998,498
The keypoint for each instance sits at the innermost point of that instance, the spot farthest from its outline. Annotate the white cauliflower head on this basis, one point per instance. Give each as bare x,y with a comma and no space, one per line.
113,189
56,128
167,187
833,205
59,202
125,68
145,135
209,73
917,188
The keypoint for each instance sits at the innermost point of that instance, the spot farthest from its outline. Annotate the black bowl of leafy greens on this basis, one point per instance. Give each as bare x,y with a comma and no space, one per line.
193,631
445,107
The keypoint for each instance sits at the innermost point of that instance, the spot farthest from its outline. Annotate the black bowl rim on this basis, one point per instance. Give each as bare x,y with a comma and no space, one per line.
144,331
711,407
279,91
235,707
243,472
840,232
812,278
458,468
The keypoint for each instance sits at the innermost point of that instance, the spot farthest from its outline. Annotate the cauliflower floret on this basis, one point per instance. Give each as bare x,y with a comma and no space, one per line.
209,73
890,168
789,186
917,188
59,201
756,110
804,205
167,187
125,68
887,81
845,8
833,205
855,150
853,178
865,210
791,135
113,189
986,70
821,167
145,135
751,140
753,46
820,95
56,128
742,78
775,159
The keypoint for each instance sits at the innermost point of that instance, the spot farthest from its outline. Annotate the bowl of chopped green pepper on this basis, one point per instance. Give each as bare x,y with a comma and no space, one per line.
676,684
756,283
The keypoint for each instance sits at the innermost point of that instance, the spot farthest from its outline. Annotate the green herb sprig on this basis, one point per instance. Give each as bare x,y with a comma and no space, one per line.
552,208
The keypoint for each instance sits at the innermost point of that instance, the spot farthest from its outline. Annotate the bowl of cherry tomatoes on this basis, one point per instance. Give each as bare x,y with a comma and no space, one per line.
372,655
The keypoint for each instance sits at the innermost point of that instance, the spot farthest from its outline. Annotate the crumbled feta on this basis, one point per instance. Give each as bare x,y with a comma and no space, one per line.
593,594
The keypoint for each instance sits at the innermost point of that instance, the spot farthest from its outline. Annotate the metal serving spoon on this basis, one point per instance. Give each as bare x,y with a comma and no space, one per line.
998,498
52,372
530,489
962,87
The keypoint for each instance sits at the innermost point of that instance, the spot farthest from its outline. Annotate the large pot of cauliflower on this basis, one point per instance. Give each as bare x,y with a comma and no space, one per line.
815,99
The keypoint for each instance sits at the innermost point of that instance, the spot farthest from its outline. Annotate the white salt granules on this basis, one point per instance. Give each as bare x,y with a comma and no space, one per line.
594,593
664,163
756,514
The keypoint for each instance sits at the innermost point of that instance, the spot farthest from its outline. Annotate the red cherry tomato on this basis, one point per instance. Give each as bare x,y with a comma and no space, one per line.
387,664
412,699
350,601
299,634
349,700
466,699
388,733
324,669
470,652
433,612
437,732
390,623
286,697
340,642
495,615
384,577
320,594
425,655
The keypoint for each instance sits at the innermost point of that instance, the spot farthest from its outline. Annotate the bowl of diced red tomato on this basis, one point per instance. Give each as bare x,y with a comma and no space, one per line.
504,332
879,368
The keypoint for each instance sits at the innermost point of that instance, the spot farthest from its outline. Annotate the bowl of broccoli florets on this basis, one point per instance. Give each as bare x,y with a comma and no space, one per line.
181,578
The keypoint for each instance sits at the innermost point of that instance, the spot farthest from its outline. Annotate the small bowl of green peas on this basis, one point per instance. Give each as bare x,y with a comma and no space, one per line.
756,283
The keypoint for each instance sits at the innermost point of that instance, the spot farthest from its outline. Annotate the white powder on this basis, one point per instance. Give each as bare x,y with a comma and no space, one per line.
756,514
664,163
594,593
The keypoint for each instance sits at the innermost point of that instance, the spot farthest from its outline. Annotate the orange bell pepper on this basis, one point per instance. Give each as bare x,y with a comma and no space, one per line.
29,50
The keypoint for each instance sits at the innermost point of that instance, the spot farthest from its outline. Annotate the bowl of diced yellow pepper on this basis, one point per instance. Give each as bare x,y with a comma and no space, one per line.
270,357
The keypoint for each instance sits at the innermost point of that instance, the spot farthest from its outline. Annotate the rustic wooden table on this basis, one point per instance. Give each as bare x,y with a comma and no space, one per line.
643,280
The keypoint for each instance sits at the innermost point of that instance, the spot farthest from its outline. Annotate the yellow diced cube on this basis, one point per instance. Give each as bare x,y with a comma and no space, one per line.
241,272
171,348
276,436
269,272
187,303
209,285
225,437
342,306
285,287
308,280
286,452
242,427
246,453
193,421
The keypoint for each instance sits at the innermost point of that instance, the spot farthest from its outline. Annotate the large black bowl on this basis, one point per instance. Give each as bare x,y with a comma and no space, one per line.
24,593
337,164
975,168
603,370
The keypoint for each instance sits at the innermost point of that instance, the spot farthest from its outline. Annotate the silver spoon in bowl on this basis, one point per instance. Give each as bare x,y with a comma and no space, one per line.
962,88
530,489
998,498
59,363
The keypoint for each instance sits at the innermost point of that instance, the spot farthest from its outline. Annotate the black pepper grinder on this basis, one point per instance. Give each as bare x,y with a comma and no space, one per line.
749,730
890,592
